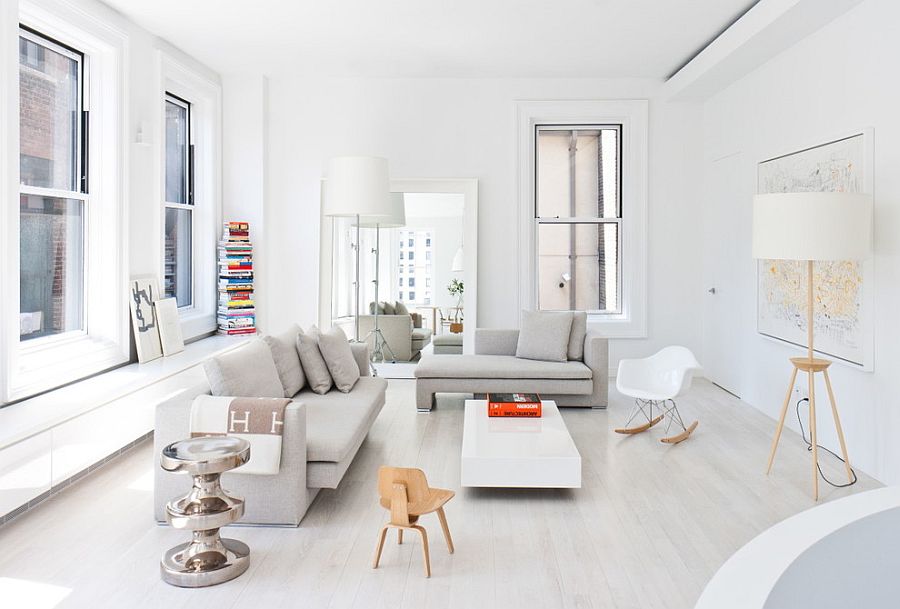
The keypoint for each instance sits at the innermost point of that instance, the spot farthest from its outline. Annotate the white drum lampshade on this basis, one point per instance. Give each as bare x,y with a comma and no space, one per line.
395,219
358,186
812,226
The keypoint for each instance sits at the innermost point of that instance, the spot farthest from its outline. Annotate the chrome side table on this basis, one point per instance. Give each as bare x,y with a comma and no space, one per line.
207,559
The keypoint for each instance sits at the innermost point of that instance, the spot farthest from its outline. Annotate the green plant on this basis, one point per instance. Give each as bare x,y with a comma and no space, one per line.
456,287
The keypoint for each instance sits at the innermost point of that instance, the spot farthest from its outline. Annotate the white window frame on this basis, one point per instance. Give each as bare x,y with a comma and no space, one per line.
33,366
189,176
78,193
205,98
632,115
587,220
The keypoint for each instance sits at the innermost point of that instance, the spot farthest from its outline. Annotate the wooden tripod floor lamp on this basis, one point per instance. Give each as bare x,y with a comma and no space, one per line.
812,226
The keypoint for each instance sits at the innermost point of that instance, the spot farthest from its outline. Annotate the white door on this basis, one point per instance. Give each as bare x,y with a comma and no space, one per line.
724,231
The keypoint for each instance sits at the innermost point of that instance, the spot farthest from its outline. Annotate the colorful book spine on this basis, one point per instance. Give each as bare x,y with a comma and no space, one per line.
236,313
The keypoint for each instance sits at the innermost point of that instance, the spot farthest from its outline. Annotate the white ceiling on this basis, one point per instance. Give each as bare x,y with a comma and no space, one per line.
439,38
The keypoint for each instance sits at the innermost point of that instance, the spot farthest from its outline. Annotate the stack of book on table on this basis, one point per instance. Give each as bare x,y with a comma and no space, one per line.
514,405
236,313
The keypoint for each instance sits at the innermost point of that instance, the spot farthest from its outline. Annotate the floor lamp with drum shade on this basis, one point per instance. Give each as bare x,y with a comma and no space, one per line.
811,226
395,219
357,187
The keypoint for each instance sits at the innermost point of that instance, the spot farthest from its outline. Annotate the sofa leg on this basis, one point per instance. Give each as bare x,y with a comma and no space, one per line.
429,400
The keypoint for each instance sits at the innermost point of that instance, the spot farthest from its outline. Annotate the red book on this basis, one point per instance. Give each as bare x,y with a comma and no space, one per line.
514,405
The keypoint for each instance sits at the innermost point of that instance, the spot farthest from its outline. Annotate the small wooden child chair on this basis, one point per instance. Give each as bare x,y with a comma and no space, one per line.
405,492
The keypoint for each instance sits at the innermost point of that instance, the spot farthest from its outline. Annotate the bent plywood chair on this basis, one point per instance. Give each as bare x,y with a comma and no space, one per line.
405,492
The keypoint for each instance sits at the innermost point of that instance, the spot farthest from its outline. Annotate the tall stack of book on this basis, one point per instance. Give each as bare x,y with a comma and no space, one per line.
236,313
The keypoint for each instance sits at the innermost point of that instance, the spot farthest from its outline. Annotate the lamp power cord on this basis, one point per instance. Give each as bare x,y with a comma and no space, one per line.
809,448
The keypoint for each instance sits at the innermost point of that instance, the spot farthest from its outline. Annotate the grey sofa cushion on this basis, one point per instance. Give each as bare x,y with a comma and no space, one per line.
389,308
287,360
314,365
489,341
498,367
248,371
400,308
336,422
420,337
576,335
373,306
545,335
335,349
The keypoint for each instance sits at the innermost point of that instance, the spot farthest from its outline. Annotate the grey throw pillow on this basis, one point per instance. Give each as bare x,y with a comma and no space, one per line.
287,360
247,372
400,308
389,308
339,358
314,365
544,335
576,336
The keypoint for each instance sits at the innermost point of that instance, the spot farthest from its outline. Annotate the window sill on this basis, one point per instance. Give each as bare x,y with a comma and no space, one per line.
195,322
30,417
47,365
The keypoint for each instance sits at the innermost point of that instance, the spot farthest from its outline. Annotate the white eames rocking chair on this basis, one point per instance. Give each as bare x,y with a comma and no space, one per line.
655,382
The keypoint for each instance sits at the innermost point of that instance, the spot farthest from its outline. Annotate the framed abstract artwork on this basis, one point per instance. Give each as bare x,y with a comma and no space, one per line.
143,291
844,289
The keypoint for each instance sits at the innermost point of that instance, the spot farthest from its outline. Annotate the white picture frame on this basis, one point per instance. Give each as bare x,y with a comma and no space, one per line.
143,292
170,335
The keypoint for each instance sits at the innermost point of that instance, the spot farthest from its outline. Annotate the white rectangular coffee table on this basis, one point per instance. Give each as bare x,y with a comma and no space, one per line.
518,452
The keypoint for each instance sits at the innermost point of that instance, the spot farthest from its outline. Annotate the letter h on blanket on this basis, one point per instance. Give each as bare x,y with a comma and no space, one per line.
260,421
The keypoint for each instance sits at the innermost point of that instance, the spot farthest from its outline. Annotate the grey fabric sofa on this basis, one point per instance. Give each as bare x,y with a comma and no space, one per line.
495,367
322,434
448,344
404,340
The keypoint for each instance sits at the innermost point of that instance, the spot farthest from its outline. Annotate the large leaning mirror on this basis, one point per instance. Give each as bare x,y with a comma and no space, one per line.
417,274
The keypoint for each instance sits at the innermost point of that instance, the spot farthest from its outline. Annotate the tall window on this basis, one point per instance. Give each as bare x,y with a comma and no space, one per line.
53,198
578,217
412,270
179,272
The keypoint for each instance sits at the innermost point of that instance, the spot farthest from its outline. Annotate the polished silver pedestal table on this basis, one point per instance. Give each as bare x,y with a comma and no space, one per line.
207,559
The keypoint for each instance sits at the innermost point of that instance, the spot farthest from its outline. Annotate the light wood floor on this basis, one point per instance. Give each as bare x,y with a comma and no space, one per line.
650,526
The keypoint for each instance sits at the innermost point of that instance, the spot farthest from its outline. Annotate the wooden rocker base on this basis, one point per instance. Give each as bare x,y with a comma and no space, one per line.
681,437
639,428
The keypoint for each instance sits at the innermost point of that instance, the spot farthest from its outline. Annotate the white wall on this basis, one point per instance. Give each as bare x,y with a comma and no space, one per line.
143,113
244,130
840,79
436,128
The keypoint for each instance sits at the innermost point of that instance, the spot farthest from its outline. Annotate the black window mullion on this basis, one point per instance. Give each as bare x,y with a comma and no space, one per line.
85,133
190,169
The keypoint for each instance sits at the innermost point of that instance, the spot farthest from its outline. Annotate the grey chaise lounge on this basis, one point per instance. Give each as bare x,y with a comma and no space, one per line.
495,367
322,434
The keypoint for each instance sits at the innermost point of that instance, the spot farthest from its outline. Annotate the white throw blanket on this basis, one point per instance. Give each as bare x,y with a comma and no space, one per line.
260,421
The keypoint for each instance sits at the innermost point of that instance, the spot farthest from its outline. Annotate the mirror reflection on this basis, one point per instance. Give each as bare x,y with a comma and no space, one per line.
411,276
